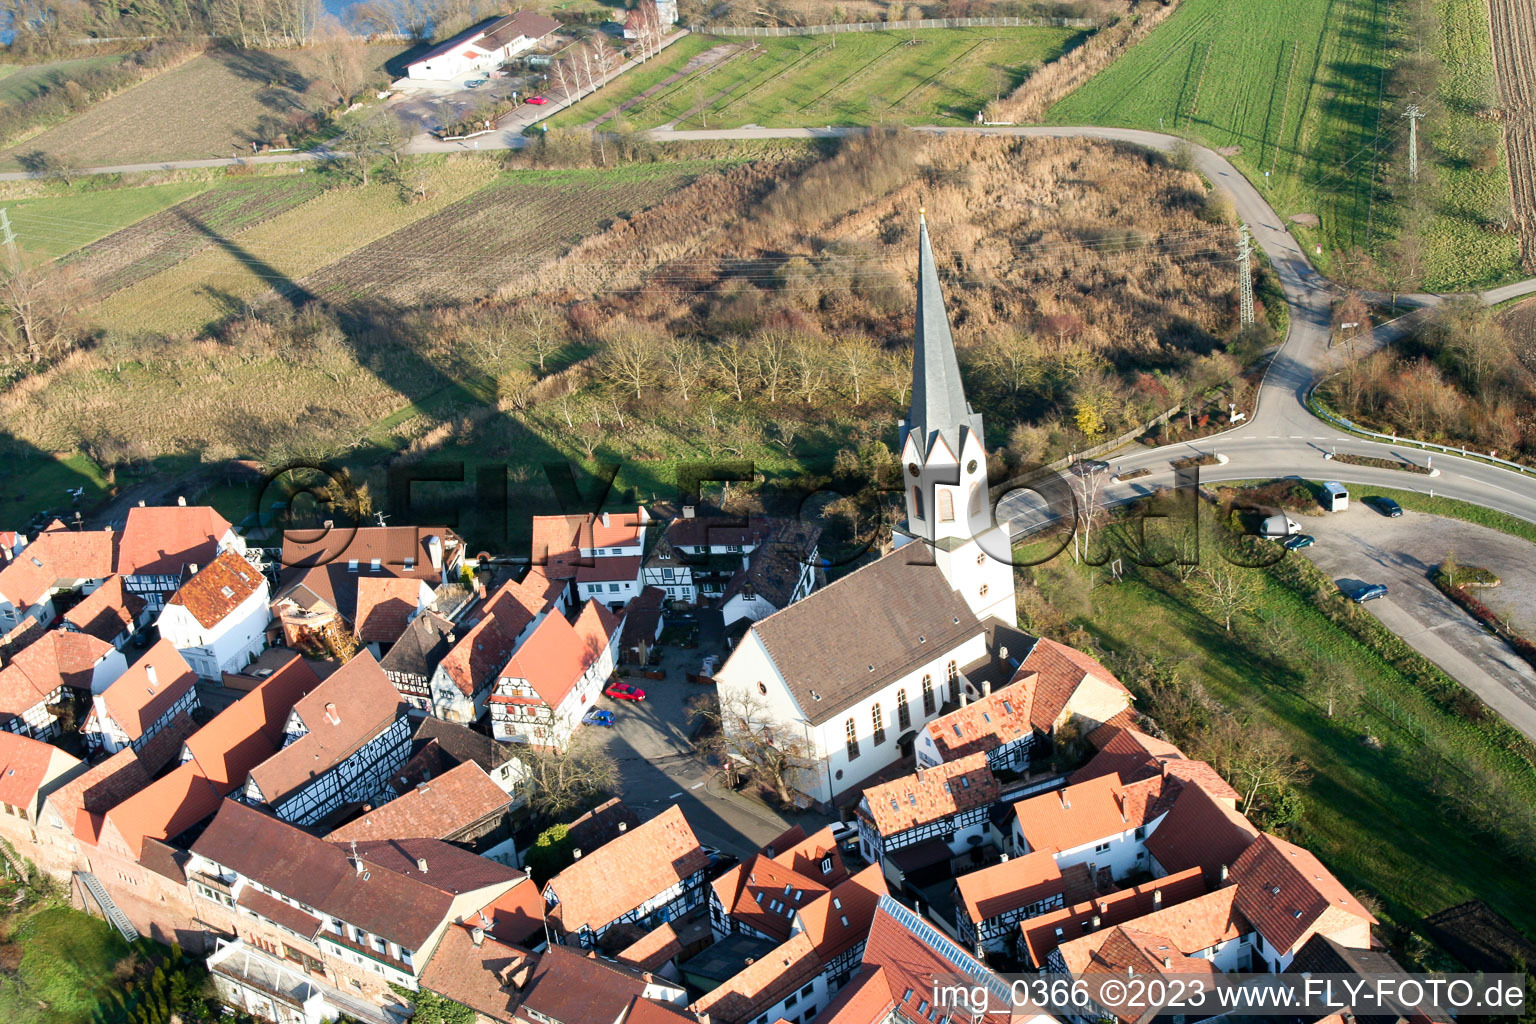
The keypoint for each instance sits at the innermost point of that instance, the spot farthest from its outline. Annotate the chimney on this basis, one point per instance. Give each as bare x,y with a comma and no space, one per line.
421,864
575,855
1066,804
330,524
1002,653
452,639
191,568
623,826
141,503
331,715
357,862
1157,898
1167,962
181,501
605,518
965,698
149,673
1003,859
688,511
1223,872
435,552
1093,923
477,935
986,687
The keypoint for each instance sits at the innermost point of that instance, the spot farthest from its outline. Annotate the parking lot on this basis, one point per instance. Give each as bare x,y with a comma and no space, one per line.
651,741
1361,546
424,105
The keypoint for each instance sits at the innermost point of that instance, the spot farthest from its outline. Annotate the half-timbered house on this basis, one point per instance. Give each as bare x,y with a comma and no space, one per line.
155,697
928,817
648,875
160,545
553,677
342,742
992,901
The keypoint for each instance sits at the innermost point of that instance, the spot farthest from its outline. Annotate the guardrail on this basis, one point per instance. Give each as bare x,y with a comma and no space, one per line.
1322,412
770,31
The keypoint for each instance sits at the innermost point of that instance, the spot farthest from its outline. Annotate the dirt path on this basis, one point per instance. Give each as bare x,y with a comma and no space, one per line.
1513,23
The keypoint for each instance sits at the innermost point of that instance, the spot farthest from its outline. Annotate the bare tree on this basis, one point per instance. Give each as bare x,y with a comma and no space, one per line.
561,782
1228,588
856,357
745,736
1087,480
38,302
733,358
629,360
539,327
1263,761
684,364
343,59
810,369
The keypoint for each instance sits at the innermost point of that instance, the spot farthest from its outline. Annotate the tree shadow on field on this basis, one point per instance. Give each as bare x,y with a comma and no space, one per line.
280,78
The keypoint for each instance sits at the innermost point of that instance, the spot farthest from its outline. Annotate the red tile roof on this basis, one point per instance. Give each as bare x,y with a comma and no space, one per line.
1200,831
472,663
620,875
567,986
385,605
1075,920
624,569
102,787
1179,930
1061,670
866,999
341,715
107,612
144,693
250,730
391,546
162,541
1090,811
1131,754
57,554
909,965
278,912
516,916
55,659
985,724
471,974
1285,891
218,588
930,794
1011,884
436,809
557,654
26,765
558,540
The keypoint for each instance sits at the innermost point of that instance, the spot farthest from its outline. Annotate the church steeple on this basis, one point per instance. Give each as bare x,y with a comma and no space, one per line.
944,463
938,394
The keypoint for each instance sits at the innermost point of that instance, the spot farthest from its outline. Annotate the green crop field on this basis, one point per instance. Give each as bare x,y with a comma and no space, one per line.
1296,90
936,76
49,228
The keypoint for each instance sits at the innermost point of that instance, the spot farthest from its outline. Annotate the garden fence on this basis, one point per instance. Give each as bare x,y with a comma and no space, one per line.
773,31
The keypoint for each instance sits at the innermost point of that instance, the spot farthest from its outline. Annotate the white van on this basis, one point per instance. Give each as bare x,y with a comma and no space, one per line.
1335,497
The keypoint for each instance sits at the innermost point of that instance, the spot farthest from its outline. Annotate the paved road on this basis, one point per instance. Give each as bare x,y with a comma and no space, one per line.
1362,546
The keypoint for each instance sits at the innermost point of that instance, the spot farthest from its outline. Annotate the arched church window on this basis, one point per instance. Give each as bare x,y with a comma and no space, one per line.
946,507
917,502
903,712
852,732
927,695
952,680
877,719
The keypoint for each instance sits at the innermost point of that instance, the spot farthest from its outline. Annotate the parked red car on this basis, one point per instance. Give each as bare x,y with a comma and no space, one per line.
537,101
624,691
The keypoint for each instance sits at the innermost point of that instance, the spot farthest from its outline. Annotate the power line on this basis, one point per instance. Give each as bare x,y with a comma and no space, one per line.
1245,275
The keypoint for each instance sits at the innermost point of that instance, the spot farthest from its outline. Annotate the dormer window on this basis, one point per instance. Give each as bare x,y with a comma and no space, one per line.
352,565
826,865
410,563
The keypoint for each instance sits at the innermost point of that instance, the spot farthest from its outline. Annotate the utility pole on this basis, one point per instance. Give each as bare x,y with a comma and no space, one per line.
1413,114
10,236
1245,276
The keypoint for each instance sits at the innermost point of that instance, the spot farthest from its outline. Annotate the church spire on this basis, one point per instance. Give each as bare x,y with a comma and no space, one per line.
938,395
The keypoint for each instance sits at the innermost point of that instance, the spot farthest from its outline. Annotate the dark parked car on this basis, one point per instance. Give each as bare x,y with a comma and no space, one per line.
1370,593
597,716
1386,506
1297,541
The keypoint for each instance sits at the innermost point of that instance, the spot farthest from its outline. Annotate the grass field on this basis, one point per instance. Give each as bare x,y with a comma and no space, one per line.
49,228
937,76
1372,816
21,82
1297,87
65,970
210,106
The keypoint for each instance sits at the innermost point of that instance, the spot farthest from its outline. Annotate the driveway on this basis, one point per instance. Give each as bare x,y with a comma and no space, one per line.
1363,546
424,105
650,740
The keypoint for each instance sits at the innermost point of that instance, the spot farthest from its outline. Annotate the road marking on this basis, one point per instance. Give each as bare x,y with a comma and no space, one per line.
674,796
1296,437
696,785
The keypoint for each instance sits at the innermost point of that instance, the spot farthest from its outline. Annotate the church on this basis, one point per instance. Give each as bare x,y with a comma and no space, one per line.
858,668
